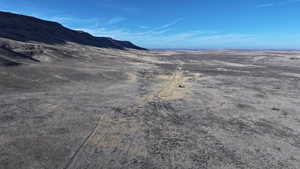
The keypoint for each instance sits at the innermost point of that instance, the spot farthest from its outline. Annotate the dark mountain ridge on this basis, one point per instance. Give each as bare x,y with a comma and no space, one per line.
27,29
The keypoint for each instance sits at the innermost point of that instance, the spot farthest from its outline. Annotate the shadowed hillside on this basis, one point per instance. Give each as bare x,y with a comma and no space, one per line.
25,29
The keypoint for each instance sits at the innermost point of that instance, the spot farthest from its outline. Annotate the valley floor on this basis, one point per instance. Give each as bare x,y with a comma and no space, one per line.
205,109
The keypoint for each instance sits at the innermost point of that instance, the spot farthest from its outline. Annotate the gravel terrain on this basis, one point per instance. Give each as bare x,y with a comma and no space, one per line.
79,107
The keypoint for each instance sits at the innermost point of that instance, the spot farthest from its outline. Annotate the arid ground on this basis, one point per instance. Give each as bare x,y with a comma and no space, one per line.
97,108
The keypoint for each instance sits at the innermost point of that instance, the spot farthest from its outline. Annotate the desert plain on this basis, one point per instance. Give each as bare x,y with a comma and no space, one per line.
98,108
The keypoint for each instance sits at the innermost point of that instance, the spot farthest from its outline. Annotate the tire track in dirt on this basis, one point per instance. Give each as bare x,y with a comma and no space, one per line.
174,87
169,91
157,105
172,90
81,146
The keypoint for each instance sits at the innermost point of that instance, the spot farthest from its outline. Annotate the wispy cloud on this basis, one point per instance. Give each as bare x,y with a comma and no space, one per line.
288,2
285,2
161,38
143,27
123,33
63,19
89,22
164,36
264,5
116,20
72,21
114,5
168,25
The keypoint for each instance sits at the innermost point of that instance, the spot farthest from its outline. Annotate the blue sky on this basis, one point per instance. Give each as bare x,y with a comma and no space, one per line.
182,24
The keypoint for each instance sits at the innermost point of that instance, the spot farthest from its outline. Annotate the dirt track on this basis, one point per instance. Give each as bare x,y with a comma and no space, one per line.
156,109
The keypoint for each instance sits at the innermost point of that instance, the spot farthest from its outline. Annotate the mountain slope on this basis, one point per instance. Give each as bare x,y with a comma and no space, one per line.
27,29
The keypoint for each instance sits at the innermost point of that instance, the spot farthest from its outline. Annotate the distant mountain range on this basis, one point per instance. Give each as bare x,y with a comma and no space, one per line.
29,29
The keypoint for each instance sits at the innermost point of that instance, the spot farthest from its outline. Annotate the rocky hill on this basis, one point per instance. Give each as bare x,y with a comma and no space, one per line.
28,39
26,28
